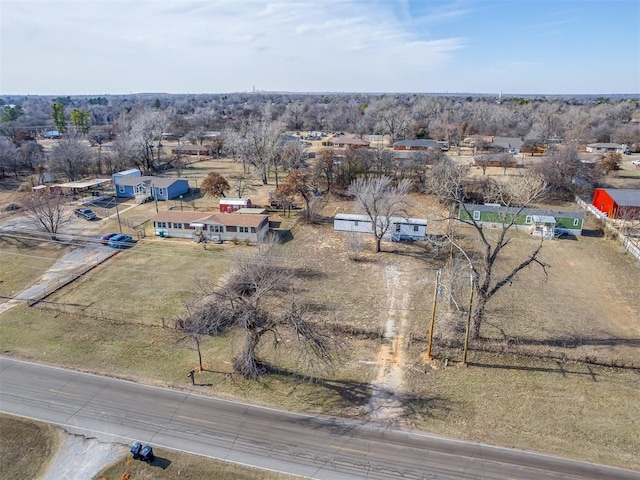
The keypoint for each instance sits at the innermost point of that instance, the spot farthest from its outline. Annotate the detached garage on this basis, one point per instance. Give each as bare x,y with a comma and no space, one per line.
618,202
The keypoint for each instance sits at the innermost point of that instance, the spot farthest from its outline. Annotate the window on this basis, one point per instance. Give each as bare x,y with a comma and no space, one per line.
576,222
415,228
529,219
243,229
232,229
161,224
217,228
355,223
121,188
398,227
476,215
161,191
177,225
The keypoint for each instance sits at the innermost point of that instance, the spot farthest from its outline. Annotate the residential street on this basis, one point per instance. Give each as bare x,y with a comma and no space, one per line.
313,446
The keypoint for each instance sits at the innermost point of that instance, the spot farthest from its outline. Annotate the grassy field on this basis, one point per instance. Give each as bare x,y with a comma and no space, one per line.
26,447
172,465
516,395
23,261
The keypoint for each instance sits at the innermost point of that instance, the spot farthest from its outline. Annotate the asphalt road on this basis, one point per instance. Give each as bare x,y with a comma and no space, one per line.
312,446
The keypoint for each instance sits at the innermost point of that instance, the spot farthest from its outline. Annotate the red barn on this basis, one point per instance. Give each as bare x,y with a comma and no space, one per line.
231,205
617,202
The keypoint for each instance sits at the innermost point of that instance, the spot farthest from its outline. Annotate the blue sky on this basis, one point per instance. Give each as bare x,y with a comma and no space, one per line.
214,46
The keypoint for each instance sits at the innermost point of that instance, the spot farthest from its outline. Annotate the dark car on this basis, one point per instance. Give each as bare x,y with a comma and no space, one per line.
104,239
85,213
121,241
402,237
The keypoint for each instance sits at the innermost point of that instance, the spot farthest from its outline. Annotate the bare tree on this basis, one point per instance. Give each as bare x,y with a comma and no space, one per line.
71,157
450,185
47,212
241,303
380,200
242,185
8,157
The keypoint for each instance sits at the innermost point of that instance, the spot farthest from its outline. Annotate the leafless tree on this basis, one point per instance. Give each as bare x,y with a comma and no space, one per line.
242,302
450,184
563,171
381,200
8,157
354,244
242,185
71,157
47,212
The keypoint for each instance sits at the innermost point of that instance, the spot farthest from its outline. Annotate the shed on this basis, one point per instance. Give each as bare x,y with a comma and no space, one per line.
231,205
618,202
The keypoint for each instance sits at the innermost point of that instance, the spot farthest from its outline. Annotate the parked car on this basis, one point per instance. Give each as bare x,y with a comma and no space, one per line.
636,162
104,239
121,241
402,237
85,213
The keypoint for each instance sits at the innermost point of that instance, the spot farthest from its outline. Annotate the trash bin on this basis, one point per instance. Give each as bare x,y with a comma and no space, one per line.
147,454
135,450
161,233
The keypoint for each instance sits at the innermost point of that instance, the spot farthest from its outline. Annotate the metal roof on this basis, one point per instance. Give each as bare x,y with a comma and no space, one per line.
365,218
525,211
624,197
416,143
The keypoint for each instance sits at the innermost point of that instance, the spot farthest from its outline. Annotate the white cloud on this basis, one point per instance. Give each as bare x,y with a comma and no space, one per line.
110,46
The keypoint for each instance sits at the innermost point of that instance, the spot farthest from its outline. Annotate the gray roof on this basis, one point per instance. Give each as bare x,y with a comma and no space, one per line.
508,142
624,197
525,211
425,143
161,182
605,145
365,218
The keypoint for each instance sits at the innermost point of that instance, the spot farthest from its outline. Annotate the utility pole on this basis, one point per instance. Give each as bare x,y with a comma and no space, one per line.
118,215
433,315
468,332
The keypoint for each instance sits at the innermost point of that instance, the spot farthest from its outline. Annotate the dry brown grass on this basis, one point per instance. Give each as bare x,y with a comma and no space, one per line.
26,447
170,465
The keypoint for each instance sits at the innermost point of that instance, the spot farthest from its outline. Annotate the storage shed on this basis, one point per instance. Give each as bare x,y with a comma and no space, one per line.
231,205
618,202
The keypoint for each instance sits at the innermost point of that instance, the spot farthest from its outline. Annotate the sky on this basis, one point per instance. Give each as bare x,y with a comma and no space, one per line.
96,47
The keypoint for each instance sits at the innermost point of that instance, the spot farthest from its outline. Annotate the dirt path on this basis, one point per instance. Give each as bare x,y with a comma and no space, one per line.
79,457
387,403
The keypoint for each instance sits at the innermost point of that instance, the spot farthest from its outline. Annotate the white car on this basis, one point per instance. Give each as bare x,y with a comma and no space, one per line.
636,162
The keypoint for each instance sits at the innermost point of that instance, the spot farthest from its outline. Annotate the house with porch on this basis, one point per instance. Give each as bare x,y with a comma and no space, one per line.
537,221
130,184
211,226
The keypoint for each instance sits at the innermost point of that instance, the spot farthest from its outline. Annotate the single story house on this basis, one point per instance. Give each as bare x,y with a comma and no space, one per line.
349,143
191,150
424,144
216,227
145,188
496,215
606,147
508,144
618,202
347,222
231,205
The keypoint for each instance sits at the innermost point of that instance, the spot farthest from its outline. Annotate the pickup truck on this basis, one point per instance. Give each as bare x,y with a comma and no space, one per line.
85,213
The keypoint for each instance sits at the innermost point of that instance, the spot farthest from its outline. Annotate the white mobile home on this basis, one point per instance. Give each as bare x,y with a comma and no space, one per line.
347,222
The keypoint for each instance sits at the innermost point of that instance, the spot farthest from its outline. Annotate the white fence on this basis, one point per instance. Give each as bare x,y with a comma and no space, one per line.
628,243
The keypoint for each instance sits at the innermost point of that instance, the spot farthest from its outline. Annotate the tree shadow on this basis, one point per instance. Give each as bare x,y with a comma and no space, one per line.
560,369
593,233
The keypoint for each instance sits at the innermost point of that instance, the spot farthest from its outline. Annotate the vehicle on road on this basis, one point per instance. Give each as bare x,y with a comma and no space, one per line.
104,239
121,241
85,213
402,237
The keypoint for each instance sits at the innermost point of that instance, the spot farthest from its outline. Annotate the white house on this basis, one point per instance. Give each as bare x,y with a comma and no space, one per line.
606,147
217,227
348,222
